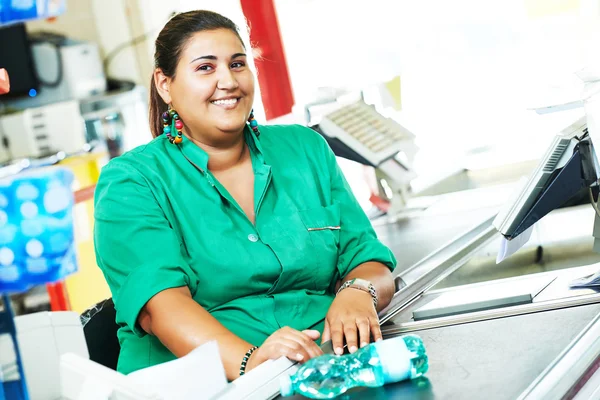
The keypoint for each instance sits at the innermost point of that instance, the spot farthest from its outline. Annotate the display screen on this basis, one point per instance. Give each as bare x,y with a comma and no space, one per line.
15,57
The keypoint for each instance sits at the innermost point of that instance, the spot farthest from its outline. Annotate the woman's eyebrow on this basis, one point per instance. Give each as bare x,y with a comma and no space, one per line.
211,57
204,58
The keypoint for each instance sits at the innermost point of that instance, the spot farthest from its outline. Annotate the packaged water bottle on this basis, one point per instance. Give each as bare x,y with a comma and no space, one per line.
388,361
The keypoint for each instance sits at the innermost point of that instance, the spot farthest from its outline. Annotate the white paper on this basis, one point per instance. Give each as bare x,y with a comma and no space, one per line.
510,247
94,389
198,375
82,379
588,281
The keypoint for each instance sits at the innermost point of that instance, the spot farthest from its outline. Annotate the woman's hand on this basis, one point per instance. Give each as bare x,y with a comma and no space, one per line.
352,315
287,342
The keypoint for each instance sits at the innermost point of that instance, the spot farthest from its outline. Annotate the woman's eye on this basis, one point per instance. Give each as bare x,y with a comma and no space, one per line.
237,64
204,68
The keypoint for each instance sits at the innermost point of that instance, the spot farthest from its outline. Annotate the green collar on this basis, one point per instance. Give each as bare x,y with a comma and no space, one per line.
199,158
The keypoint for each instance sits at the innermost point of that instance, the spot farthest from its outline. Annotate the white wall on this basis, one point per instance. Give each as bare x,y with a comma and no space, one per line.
114,29
470,69
78,22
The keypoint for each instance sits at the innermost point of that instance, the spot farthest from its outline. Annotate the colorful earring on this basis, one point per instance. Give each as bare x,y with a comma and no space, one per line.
171,124
253,124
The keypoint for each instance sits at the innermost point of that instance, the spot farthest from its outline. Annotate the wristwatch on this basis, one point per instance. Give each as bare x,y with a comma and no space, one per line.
361,284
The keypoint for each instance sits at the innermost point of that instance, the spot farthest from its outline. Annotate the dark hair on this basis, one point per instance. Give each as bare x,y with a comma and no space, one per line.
169,45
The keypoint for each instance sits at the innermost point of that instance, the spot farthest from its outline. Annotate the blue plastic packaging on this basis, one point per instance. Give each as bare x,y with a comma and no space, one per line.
13,11
37,243
388,361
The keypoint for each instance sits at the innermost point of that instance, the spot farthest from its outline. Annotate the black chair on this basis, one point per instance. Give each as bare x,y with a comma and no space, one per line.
100,330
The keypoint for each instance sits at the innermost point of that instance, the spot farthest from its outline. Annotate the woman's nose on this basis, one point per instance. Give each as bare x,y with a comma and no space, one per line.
226,80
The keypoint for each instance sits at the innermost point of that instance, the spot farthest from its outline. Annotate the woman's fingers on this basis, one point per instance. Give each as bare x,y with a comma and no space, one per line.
364,331
337,337
306,342
326,333
351,336
376,330
293,344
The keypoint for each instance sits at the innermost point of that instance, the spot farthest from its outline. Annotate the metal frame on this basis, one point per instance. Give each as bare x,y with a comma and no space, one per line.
7,325
504,312
434,268
590,388
566,370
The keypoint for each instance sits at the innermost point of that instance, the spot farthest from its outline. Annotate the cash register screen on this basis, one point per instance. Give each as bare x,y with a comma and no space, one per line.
15,57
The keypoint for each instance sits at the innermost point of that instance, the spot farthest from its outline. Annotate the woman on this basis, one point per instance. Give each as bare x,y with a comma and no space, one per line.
222,230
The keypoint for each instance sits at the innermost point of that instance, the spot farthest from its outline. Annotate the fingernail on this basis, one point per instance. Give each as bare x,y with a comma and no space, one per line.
363,344
379,340
353,349
299,357
339,351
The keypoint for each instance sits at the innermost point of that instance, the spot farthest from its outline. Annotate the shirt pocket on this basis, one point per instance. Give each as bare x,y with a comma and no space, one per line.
323,227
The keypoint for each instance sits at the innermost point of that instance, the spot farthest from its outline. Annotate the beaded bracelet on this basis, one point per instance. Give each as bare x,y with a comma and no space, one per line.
245,360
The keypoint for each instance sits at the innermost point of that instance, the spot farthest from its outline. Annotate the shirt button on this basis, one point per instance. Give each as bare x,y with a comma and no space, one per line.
253,238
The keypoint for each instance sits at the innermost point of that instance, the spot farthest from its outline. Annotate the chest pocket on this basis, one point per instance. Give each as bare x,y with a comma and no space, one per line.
323,227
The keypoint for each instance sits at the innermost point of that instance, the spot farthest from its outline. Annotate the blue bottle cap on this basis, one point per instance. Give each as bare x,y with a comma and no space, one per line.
285,383
395,359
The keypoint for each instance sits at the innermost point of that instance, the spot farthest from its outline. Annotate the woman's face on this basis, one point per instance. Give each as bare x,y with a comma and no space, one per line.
213,88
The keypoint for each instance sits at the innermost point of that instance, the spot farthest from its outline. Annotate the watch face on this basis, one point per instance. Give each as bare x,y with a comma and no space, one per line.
361,282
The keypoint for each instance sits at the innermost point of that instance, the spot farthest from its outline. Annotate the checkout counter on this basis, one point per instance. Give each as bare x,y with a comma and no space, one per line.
510,352
500,352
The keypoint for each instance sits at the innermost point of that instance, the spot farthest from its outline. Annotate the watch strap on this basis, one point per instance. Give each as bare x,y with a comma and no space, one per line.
369,288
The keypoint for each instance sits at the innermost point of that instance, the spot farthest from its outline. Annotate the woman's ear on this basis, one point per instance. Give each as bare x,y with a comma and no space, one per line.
162,85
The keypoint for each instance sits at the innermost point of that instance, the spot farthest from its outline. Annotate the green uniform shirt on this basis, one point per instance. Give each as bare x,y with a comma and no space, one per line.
164,221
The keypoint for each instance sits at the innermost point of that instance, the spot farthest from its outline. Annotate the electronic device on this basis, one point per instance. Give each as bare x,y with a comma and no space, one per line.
367,132
357,131
42,131
16,59
65,69
567,166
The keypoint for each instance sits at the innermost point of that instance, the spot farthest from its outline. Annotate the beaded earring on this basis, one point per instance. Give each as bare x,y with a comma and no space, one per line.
171,124
253,124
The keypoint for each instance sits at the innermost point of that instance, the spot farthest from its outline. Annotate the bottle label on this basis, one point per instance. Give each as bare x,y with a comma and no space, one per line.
395,358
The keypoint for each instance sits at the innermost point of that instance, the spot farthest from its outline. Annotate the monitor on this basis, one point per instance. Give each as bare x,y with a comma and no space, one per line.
16,58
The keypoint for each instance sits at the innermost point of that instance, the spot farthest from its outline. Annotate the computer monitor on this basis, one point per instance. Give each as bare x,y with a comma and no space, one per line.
16,58
567,166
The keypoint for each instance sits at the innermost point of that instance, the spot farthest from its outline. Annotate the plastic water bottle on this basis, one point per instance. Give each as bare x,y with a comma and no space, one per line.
387,361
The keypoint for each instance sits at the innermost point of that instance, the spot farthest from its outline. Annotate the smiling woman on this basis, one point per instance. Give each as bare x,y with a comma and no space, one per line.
222,230
202,72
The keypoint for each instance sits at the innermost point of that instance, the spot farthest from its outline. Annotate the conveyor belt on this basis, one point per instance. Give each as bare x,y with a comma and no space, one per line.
413,239
489,360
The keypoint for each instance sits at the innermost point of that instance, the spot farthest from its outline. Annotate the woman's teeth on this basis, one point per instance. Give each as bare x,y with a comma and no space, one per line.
227,102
